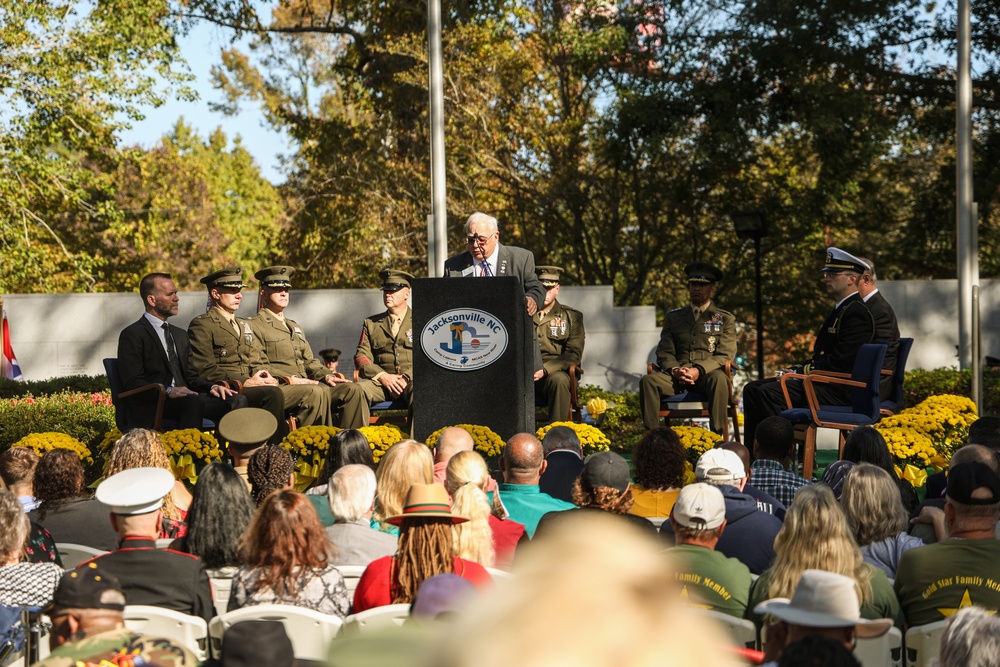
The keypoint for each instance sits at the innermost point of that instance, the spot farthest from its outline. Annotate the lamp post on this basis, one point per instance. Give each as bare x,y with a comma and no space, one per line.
753,225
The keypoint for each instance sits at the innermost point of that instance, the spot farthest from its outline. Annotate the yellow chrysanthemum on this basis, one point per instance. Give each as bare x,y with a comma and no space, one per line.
696,440
381,437
487,442
592,439
44,442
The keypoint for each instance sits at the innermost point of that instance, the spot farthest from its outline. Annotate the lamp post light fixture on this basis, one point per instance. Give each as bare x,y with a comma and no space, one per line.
753,225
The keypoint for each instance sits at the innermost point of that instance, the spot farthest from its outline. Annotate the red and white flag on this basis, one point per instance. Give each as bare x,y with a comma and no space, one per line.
9,367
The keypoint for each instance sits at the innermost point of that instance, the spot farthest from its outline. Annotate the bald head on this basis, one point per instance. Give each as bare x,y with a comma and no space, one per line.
523,459
452,440
978,453
740,451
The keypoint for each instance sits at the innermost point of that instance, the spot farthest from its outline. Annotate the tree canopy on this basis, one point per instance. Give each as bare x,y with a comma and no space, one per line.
615,139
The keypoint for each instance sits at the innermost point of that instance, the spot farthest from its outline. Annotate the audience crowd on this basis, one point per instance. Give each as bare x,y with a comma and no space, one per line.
598,552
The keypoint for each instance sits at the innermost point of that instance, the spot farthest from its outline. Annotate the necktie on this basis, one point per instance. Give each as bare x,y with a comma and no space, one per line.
175,365
394,323
485,271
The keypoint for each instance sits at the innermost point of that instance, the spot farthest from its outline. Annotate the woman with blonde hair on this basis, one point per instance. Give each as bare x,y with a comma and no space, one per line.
484,538
815,536
406,463
143,448
876,517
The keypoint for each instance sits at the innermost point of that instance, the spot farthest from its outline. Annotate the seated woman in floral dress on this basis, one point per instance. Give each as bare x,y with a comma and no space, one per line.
286,559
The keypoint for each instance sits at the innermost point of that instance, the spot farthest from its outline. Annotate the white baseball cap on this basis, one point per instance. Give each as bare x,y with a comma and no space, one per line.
720,465
699,506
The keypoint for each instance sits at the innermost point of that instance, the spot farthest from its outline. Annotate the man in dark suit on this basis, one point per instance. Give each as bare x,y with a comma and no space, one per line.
886,328
151,351
848,326
695,343
486,257
564,462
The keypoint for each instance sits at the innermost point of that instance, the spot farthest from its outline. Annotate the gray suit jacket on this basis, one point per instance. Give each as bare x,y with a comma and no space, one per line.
358,543
511,261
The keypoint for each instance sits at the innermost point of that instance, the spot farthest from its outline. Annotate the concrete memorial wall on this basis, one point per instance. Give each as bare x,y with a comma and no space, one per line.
66,334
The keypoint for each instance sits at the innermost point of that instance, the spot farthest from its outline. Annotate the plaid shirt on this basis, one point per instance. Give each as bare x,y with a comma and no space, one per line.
771,477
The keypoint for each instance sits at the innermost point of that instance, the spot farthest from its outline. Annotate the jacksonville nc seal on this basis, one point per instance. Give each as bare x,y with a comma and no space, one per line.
464,339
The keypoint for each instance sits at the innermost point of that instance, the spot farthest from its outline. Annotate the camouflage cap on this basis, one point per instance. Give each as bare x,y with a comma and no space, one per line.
231,276
549,275
88,587
393,280
275,276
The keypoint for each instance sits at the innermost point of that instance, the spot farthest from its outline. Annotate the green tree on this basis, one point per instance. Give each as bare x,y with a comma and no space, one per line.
71,75
189,206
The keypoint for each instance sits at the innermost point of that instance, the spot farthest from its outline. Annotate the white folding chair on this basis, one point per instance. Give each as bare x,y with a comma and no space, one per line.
352,574
74,554
499,574
310,631
164,542
657,520
742,631
377,617
191,631
923,643
884,651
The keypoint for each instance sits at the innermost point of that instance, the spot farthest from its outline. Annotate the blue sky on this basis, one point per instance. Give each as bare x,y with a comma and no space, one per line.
201,49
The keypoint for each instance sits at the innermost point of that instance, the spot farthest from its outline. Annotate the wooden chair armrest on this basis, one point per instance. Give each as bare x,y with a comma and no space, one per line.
652,368
143,389
235,385
784,387
833,374
285,379
357,374
161,399
886,372
811,391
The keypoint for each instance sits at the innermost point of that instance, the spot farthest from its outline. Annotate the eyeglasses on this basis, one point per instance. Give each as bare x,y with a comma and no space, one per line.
475,238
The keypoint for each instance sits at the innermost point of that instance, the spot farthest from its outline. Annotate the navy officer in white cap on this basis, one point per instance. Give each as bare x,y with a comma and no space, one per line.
848,326
150,576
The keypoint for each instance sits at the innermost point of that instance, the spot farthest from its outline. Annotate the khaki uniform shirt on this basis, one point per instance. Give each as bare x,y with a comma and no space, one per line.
380,352
560,337
285,346
218,353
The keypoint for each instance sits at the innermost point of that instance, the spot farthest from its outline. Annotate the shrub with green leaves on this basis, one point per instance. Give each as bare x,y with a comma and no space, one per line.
85,416
87,384
622,422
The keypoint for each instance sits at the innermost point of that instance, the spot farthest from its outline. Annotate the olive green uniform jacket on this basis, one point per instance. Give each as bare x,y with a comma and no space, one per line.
219,354
381,352
290,355
561,338
708,342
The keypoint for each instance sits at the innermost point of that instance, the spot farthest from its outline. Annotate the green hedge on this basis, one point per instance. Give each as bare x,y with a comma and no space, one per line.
85,416
920,384
87,384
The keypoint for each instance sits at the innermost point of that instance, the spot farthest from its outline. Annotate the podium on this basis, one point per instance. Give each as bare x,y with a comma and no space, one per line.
473,355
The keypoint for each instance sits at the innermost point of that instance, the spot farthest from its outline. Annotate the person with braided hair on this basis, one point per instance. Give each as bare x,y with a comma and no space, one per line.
426,548
271,468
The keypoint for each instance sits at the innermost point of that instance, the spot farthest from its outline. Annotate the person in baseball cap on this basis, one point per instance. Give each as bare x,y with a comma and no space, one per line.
698,519
750,531
88,625
824,603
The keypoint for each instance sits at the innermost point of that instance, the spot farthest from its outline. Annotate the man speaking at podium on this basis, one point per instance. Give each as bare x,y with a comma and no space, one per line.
487,258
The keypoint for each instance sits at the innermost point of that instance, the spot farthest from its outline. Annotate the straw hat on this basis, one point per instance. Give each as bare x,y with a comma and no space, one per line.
426,501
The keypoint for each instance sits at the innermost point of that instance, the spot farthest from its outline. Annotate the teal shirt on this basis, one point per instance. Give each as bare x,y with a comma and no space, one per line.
527,504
